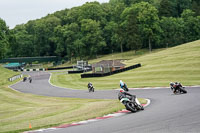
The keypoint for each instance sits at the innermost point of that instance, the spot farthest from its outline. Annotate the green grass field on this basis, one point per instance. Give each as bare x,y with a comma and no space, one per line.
18,110
181,63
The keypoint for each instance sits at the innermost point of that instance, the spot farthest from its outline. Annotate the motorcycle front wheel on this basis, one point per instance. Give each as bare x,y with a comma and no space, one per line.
183,90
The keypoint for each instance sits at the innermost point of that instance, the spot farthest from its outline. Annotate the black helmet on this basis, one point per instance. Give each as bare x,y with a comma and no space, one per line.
171,83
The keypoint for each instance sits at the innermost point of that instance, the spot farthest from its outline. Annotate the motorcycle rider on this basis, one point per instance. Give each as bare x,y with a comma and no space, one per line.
30,79
24,79
124,94
90,85
123,85
174,86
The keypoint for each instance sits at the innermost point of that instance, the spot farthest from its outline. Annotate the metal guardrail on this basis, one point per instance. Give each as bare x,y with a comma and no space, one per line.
30,70
15,77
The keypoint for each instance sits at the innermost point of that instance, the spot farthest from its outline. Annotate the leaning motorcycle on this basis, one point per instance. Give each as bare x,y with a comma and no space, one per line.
91,88
131,105
178,88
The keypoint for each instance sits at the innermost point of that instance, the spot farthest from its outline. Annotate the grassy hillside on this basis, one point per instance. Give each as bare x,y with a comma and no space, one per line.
18,110
181,63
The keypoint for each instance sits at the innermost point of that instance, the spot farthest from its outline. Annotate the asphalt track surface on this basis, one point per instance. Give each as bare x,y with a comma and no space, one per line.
167,113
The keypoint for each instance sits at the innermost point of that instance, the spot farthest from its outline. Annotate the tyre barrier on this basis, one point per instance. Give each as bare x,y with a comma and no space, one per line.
59,68
78,71
15,77
110,73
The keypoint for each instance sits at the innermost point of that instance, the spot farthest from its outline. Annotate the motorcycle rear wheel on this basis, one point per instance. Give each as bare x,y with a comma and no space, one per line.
130,107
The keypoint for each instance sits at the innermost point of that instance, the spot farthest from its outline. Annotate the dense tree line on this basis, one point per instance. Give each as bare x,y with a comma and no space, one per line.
94,28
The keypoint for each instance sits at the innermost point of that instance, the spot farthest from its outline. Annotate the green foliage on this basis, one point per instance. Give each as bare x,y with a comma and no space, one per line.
166,8
172,28
4,39
192,27
196,7
147,17
93,11
181,5
92,36
110,37
133,38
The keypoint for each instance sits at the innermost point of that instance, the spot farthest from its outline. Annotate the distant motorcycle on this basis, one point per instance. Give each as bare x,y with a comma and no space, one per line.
24,79
131,105
30,79
90,87
177,88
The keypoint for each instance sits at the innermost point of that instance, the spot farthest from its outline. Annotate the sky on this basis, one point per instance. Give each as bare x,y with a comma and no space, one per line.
15,12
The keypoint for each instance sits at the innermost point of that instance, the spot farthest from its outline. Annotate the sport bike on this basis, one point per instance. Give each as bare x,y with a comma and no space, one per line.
91,88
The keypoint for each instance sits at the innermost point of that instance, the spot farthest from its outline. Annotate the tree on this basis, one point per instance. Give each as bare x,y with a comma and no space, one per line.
109,34
173,31
93,11
166,8
72,36
192,25
44,44
67,39
92,37
23,45
148,20
118,8
181,5
196,7
133,39
59,40
128,3
4,39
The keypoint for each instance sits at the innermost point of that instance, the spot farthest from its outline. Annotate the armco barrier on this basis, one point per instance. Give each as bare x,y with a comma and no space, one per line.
30,70
15,77
109,73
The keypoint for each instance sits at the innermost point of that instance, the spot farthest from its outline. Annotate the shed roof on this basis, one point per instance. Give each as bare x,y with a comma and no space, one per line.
115,63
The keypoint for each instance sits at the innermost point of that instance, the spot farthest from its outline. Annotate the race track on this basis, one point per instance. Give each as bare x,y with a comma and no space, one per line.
167,113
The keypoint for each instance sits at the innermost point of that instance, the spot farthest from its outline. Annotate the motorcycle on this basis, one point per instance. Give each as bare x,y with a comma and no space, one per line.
180,89
24,79
131,105
90,88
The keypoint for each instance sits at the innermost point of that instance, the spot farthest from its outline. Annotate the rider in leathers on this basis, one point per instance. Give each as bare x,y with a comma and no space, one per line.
124,94
175,86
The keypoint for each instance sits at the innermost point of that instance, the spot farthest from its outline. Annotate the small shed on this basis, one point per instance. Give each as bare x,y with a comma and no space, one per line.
106,66
81,65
